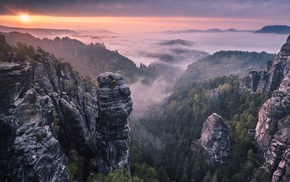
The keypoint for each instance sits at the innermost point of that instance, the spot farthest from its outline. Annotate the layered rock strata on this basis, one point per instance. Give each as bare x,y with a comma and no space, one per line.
48,110
215,140
113,127
273,131
269,79
283,173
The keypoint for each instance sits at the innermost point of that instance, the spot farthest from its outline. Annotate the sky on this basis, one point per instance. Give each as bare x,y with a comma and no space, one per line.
145,15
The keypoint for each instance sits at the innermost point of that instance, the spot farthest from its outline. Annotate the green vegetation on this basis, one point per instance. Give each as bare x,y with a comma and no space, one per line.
119,175
76,167
225,63
4,49
178,127
24,50
90,60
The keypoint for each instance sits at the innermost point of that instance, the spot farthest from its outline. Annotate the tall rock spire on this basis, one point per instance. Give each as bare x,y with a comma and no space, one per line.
115,106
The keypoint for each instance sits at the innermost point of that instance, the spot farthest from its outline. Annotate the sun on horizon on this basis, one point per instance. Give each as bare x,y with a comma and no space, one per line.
24,18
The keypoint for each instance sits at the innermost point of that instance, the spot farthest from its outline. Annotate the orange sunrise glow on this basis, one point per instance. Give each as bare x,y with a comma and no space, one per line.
24,18
126,24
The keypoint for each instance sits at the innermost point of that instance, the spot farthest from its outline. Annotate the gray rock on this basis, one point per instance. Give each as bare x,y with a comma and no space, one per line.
269,79
47,110
113,127
272,130
251,82
283,173
215,140
42,163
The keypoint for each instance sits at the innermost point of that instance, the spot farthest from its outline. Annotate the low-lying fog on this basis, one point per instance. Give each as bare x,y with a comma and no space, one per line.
135,47
131,45
141,48
153,47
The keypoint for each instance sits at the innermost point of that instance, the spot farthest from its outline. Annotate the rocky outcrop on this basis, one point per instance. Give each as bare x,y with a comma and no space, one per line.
215,140
269,79
47,110
113,127
27,117
254,81
283,173
273,128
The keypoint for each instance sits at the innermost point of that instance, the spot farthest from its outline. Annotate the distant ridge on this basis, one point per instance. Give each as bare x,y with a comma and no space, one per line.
177,42
46,31
213,30
277,29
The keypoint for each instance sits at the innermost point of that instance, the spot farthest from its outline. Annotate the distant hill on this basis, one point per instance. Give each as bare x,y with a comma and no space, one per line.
232,30
177,42
37,31
213,30
278,29
224,63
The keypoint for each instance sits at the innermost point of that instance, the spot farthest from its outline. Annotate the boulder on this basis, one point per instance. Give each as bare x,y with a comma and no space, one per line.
215,140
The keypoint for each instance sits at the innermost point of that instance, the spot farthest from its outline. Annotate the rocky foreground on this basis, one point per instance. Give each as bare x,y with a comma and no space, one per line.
48,112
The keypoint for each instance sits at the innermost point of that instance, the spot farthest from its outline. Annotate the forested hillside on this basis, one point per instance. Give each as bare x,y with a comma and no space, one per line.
225,63
169,141
90,60
176,130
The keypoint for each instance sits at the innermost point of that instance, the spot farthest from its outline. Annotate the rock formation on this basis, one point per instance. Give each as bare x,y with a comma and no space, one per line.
269,80
255,81
113,127
272,131
283,173
215,140
48,110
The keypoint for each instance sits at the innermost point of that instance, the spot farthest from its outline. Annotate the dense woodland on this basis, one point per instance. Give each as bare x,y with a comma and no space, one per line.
225,63
168,154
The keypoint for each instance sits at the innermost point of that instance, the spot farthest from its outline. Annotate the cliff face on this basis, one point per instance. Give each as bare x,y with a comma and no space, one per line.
48,110
283,173
269,80
215,140
255,80
272,131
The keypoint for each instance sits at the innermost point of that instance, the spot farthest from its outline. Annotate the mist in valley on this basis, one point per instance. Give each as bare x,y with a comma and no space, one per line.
169,53
148,48
145,97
